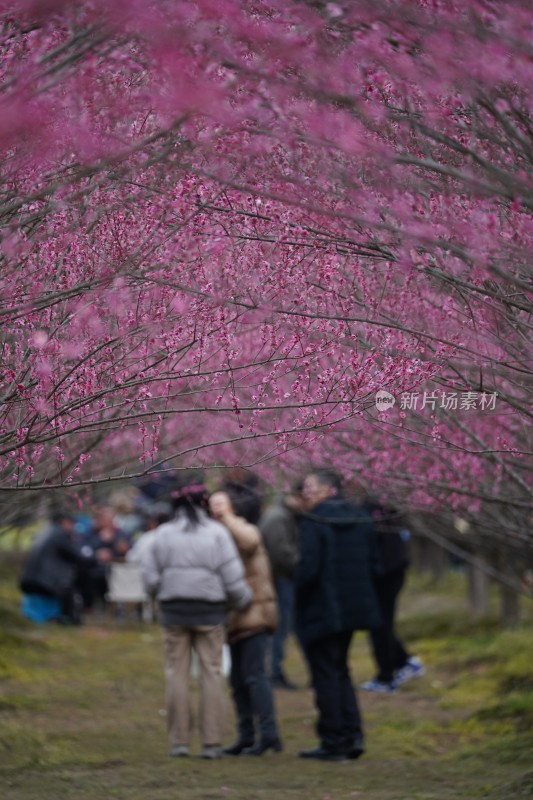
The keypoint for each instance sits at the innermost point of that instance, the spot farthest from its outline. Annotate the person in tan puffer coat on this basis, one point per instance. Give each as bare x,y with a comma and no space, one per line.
248,635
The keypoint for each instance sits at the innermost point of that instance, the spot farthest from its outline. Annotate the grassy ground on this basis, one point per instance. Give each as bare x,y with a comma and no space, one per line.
80,716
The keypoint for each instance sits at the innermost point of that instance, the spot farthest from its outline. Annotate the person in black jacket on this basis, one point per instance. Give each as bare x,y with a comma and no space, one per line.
395,664
54,565
335,596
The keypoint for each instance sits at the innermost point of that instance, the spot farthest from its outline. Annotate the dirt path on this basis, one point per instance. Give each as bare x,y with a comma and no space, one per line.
80,717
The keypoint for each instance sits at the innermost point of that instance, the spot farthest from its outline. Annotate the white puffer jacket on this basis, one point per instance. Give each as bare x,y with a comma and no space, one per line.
200,562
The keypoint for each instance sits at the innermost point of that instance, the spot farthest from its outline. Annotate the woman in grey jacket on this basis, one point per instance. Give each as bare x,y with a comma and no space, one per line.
194,570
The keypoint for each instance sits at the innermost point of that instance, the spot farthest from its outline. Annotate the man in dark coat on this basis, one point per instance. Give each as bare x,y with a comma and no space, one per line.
54,565
335,596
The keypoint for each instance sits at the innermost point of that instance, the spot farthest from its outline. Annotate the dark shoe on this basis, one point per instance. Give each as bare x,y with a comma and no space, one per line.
321,754
237,748
356,748
262,746
283,683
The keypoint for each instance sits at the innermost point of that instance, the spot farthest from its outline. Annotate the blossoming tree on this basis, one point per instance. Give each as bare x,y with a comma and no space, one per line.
226,226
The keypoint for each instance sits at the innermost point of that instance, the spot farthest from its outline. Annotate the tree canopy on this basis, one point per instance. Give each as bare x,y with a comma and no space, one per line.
226,226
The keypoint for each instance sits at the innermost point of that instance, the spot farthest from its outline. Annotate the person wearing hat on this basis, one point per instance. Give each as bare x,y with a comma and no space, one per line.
194,570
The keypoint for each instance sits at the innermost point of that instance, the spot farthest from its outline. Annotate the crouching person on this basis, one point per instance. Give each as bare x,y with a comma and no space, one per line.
53,570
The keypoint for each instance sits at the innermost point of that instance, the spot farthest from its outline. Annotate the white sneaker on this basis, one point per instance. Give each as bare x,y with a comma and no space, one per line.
413,669
382,687
212,751
179,750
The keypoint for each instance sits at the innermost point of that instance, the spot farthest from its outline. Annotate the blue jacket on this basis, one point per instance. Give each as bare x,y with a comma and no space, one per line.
334,577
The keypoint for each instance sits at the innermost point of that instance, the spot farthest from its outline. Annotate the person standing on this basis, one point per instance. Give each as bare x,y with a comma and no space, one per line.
395,665
334,597
248,634
279,528
109,544
194,569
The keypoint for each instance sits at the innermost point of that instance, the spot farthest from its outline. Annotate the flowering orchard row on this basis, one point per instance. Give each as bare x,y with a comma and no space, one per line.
227,225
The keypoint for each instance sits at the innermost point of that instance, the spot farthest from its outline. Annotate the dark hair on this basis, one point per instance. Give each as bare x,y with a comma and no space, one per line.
57,516
244,491
156,485
159,512
190,495
329,477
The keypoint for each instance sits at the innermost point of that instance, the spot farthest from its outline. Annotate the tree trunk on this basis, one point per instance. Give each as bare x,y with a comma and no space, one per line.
510,607
437,561
427,556
478,590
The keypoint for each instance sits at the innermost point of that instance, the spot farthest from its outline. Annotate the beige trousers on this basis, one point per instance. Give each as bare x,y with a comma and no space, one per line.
207,641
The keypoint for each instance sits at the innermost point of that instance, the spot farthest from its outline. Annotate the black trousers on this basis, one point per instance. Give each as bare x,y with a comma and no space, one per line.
72,606
389,652
252,692
339,719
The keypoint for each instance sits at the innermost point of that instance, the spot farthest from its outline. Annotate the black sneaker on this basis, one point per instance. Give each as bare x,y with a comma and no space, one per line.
321,754
356,748
237,748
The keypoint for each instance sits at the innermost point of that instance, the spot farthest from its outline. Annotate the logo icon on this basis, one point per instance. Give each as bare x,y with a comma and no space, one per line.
384,401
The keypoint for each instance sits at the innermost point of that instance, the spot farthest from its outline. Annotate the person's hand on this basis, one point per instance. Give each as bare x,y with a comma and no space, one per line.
220,505
295,502
104,555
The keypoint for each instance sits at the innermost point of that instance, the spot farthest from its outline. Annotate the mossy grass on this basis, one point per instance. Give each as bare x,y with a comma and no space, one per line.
80,714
